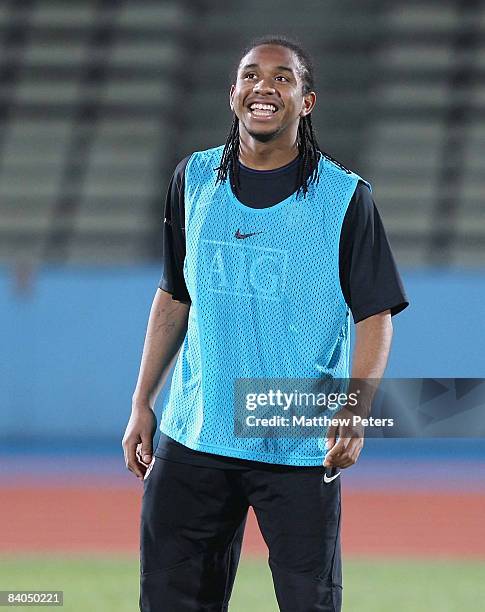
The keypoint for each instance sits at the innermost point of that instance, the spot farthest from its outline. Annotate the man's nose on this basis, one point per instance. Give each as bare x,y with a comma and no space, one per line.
263,86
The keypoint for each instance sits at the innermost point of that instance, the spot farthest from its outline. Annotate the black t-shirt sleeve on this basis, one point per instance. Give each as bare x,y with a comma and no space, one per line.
369,277
173,237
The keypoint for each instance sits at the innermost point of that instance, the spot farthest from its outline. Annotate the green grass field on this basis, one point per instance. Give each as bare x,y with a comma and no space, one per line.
110,584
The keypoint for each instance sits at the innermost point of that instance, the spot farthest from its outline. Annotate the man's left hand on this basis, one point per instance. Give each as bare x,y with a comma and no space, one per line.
345,451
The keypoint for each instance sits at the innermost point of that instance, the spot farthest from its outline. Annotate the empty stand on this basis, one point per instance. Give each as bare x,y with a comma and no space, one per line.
88,98
100,99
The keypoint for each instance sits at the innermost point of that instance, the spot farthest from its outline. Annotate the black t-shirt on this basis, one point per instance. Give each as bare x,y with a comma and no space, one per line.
369,277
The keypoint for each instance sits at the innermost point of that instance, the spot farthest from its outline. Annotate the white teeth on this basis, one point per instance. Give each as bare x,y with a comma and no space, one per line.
262,113
259,106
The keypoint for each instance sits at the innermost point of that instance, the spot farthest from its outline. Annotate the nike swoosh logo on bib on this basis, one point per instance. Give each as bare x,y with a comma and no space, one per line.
240,236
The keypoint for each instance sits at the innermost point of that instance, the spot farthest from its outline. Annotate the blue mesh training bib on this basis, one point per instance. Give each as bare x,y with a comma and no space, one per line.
266,303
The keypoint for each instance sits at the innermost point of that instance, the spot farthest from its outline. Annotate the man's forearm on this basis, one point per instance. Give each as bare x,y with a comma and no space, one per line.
373,341
166,329
372,346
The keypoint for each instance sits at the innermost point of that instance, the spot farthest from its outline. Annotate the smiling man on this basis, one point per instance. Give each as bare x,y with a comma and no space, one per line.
269,245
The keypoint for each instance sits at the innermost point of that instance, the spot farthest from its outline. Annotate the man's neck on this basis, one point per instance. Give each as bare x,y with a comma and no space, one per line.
263,156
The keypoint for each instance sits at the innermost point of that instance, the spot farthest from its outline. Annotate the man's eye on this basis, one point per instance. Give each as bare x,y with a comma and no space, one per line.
252,74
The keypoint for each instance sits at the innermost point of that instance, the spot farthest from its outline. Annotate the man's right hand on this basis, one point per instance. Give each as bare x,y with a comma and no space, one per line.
138,440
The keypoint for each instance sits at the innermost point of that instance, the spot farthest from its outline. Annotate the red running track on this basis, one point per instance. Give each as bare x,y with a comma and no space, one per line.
99,519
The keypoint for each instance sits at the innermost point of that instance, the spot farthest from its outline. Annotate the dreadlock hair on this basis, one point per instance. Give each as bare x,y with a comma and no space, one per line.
308,148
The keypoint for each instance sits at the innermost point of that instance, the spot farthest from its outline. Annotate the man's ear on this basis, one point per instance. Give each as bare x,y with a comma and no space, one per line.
308,104
231,95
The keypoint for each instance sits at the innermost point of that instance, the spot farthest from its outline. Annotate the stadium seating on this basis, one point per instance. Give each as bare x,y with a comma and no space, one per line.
87,107
99,101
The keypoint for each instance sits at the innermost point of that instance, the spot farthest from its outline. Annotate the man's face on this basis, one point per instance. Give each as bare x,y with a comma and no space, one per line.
269,75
